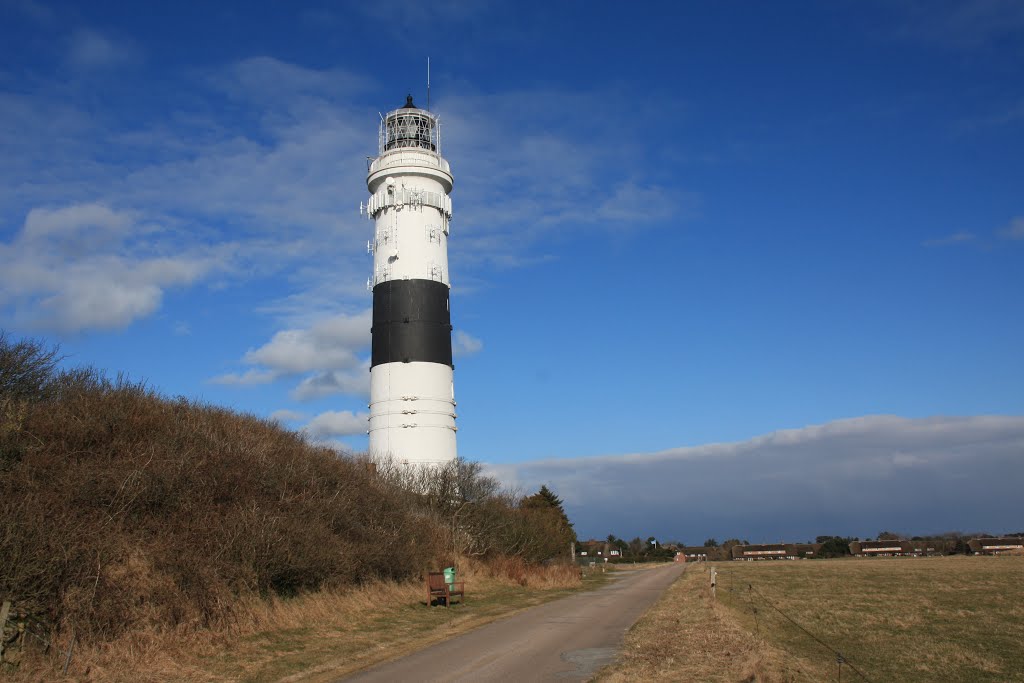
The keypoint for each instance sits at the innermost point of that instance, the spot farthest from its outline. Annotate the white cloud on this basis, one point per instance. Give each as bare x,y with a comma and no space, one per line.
271,173
347,330
630,204
247,378
266,77
464,344
961,237
330,344
998,116
265,170
403,16
556,172
69,221
43,222
354,382
295,351
965,25
1015,230
851,477
330,353
285,415
35,11
338,423
89,49
87,266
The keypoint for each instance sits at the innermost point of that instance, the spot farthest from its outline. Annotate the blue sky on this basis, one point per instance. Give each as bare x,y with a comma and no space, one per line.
676,225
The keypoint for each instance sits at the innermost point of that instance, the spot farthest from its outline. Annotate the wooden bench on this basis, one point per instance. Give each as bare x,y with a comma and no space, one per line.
438,588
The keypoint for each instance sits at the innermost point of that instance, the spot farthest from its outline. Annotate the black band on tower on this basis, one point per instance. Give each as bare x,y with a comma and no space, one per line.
411,323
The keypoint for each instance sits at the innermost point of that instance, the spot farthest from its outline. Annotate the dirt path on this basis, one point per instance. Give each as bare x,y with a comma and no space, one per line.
568,639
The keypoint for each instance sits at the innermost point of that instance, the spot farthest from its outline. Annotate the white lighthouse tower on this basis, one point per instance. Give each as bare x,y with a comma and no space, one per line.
412,395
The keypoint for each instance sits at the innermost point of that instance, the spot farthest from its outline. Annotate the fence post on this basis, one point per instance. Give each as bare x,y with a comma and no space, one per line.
4,611
71,649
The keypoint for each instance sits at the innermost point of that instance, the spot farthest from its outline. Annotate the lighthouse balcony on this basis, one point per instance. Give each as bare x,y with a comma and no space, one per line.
407,157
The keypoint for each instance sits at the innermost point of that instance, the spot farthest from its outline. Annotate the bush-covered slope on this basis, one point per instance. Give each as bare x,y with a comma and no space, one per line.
121,506
121,509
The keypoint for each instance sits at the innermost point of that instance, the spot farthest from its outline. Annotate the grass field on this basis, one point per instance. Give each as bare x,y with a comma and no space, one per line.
915,619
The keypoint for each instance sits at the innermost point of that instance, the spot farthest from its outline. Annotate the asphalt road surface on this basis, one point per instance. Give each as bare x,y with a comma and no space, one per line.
564,640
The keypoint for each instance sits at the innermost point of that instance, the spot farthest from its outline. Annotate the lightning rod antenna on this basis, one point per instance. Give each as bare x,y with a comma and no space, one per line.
428,83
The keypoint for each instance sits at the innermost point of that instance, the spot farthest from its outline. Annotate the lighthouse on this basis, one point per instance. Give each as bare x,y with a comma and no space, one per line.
412,394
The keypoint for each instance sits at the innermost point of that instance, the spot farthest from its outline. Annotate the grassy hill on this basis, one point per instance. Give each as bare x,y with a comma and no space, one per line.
126,511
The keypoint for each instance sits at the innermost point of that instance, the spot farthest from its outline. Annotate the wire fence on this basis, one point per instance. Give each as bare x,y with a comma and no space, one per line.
840,658
18,630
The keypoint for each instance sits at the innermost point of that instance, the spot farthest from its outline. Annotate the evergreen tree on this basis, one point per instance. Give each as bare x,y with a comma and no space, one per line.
546,503
833,546
545,498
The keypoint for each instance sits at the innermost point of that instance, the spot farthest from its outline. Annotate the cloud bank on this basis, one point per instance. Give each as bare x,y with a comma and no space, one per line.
855,477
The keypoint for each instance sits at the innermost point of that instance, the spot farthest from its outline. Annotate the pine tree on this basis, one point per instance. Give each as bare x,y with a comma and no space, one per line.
546,500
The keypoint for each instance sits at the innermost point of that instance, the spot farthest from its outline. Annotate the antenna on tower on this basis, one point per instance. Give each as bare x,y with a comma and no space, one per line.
428,83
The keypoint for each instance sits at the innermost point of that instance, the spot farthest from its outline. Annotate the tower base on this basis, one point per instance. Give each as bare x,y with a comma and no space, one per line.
412,414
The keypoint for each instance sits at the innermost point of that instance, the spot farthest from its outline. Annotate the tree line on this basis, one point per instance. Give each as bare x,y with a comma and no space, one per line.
640,550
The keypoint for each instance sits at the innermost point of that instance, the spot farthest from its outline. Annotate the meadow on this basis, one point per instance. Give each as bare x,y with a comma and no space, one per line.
956,618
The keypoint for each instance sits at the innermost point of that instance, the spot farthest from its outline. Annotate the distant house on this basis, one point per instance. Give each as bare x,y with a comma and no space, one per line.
596,549
996,546
776,551
925,548
692,553
808,550
886,549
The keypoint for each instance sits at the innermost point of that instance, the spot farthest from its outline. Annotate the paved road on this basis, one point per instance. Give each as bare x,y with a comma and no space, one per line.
568,639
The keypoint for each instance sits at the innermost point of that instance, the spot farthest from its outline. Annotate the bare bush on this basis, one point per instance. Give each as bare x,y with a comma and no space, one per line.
480,518
26,368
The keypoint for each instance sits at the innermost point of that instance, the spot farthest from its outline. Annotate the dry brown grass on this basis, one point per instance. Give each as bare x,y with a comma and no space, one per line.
686,636
917,619
311,637
954,618
513,571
